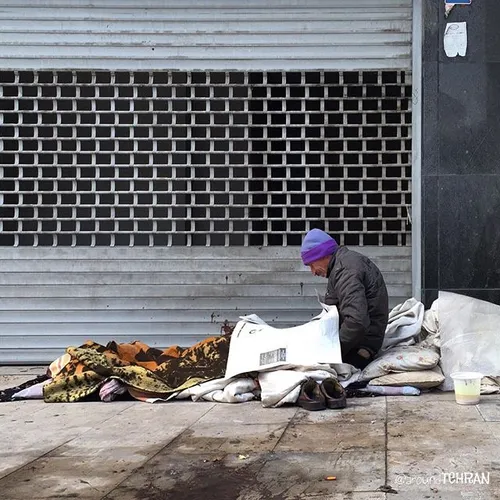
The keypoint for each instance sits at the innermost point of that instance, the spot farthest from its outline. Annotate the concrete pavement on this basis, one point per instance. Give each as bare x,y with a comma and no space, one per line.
419,447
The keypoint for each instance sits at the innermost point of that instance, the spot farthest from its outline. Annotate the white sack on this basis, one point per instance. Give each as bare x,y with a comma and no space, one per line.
470,336
422,379
256,346
401,359
404,325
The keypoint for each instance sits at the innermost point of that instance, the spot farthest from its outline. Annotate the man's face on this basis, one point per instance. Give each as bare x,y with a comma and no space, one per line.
320,267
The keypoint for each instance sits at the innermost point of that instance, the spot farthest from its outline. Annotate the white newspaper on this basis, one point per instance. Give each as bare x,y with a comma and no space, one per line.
256,346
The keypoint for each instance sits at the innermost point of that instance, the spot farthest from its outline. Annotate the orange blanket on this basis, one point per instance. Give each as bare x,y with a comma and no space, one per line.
138,366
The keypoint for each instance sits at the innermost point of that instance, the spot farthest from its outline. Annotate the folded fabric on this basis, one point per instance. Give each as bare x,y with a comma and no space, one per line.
279,387
205,388
346,373
222,390
238,390
7,394
401,359
151,397
32,392
423,379
275,387
404,325
430,327
138,366
430,322
110,389
58,364
490,385
391,391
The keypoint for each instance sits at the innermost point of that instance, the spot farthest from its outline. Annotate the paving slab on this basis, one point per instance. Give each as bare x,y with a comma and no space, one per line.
414,409
107,452
125,435
260,477
489,408
356,495
428,395
132,450
429,466
331,437
443,495
207,438
294,474
248,414
29,371
24,407
176,413
86,478
442,471
414,436
8,381
182,476
358,410
27,436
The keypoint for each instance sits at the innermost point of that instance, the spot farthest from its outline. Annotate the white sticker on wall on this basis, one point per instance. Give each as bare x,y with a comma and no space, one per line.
455,39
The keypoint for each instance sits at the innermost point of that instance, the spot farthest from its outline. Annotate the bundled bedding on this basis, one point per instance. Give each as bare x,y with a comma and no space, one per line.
259,361
144,369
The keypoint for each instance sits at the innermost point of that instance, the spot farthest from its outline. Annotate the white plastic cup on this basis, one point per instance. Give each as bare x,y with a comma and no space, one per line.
467,387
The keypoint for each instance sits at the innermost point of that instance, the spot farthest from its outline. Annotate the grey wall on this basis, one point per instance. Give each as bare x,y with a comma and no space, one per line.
461,154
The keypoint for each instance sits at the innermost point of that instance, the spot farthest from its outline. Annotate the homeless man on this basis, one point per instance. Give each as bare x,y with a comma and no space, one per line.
357,288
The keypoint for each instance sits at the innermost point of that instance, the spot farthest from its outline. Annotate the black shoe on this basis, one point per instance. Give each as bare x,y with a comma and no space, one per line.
311,398
334,394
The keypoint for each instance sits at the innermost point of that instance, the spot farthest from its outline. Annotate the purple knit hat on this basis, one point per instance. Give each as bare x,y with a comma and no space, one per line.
316,245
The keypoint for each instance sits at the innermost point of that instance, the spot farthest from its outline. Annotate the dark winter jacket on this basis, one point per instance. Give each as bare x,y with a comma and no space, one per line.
357,288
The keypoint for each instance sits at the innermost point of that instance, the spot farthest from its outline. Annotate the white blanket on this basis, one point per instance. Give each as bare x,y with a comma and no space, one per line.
404,326
283,386
238,390
276,387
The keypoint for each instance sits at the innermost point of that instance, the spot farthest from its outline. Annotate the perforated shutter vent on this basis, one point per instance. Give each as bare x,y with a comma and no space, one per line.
204,158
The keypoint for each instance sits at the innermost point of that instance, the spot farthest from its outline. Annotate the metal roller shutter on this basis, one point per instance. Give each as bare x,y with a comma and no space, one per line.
158,176
200,35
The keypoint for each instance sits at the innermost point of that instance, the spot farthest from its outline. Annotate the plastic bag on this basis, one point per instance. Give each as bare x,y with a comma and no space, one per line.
470,336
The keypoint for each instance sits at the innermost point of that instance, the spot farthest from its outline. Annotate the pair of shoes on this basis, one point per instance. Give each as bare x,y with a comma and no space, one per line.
328,394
